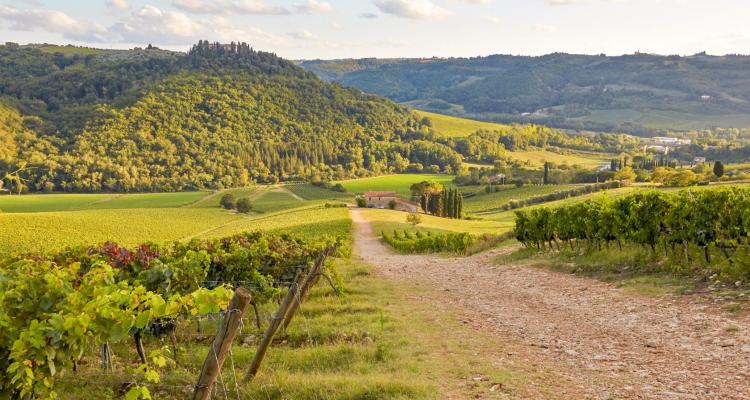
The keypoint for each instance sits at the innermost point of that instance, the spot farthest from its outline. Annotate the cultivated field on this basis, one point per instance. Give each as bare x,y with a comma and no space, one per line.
396,183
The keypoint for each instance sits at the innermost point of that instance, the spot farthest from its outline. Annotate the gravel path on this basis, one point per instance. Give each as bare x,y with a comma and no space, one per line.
599,342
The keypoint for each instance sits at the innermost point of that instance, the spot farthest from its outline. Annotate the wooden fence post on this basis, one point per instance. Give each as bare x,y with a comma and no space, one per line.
274,326
222,343
310,280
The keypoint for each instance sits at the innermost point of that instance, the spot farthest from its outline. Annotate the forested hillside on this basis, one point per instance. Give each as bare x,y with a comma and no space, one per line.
218,116
640,93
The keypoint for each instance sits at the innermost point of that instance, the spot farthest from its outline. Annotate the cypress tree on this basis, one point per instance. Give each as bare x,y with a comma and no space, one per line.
545,180
460,206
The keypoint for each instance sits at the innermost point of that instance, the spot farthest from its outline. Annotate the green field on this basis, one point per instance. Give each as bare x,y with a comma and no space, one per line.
455,126
395,183
312,192
488,201
47,222
460,127
537,158
73,202
310,222
31,232
388,220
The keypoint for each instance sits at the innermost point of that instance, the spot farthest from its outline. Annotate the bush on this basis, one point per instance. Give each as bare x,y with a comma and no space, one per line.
338,188
361,202
228,202
414,219
392,204
457,243
518,183
244,205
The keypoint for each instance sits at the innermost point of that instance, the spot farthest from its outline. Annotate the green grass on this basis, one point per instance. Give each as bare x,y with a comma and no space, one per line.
70,50
312,192
212,200
388,220
483,201
275,199
671,120
536,158
456,126
31,232
633,269
376,342
72,202
461,127
396,183
309,222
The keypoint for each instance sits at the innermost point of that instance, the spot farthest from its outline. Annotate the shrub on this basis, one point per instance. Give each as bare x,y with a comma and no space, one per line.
228,202
392,204
338,188
361,202
518,183
414,219
457,243
244,205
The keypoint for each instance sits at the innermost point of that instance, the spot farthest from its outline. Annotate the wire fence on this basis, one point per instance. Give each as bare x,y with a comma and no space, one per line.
182,328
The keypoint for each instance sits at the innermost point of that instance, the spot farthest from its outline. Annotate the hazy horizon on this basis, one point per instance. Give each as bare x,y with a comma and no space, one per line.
337,29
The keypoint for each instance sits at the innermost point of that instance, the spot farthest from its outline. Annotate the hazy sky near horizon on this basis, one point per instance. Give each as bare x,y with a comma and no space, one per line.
390,28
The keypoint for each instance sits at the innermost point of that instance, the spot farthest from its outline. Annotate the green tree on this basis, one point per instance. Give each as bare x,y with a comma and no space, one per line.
228,201
244,205
719,169
545,178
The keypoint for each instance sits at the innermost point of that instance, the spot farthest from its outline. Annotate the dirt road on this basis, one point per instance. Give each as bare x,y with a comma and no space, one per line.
599,342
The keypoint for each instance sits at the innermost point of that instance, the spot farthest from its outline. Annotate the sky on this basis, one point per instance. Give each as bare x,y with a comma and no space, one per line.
327,29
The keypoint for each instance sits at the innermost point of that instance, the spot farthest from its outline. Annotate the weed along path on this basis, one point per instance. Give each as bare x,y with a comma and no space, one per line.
581,338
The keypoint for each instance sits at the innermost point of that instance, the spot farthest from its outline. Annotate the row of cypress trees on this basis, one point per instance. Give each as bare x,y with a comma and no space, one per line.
447,203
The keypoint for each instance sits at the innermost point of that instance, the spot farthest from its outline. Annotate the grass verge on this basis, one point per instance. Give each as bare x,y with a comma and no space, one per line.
633,269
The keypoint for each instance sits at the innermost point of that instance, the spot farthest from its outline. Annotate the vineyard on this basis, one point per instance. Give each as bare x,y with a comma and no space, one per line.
59,306
428,242
704,232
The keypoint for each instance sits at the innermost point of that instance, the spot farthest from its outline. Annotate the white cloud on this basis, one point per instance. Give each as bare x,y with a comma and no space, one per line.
229,7
493,19
303,35
52,21
545,28
414,9
368,15
118,5
313,7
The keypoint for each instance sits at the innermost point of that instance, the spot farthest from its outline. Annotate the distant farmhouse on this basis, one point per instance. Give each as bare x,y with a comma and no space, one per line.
389,200
663,144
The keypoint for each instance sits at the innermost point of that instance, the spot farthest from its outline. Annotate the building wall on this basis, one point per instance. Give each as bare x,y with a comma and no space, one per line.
382,202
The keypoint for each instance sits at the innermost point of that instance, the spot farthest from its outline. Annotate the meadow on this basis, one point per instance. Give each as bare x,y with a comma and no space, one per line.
461,127
396,183
387,220
45,222
456,126
483,201
537,158
76,202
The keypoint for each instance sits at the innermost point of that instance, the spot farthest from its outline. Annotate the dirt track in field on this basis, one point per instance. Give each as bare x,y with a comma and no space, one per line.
587,339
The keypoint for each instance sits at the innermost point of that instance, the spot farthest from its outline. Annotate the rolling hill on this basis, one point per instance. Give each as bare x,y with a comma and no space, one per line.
640,93
221,115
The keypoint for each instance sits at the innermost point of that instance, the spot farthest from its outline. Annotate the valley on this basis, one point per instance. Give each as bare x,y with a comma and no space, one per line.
223,222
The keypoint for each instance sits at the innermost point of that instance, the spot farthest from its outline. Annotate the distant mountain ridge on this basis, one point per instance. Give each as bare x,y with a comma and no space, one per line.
639,93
